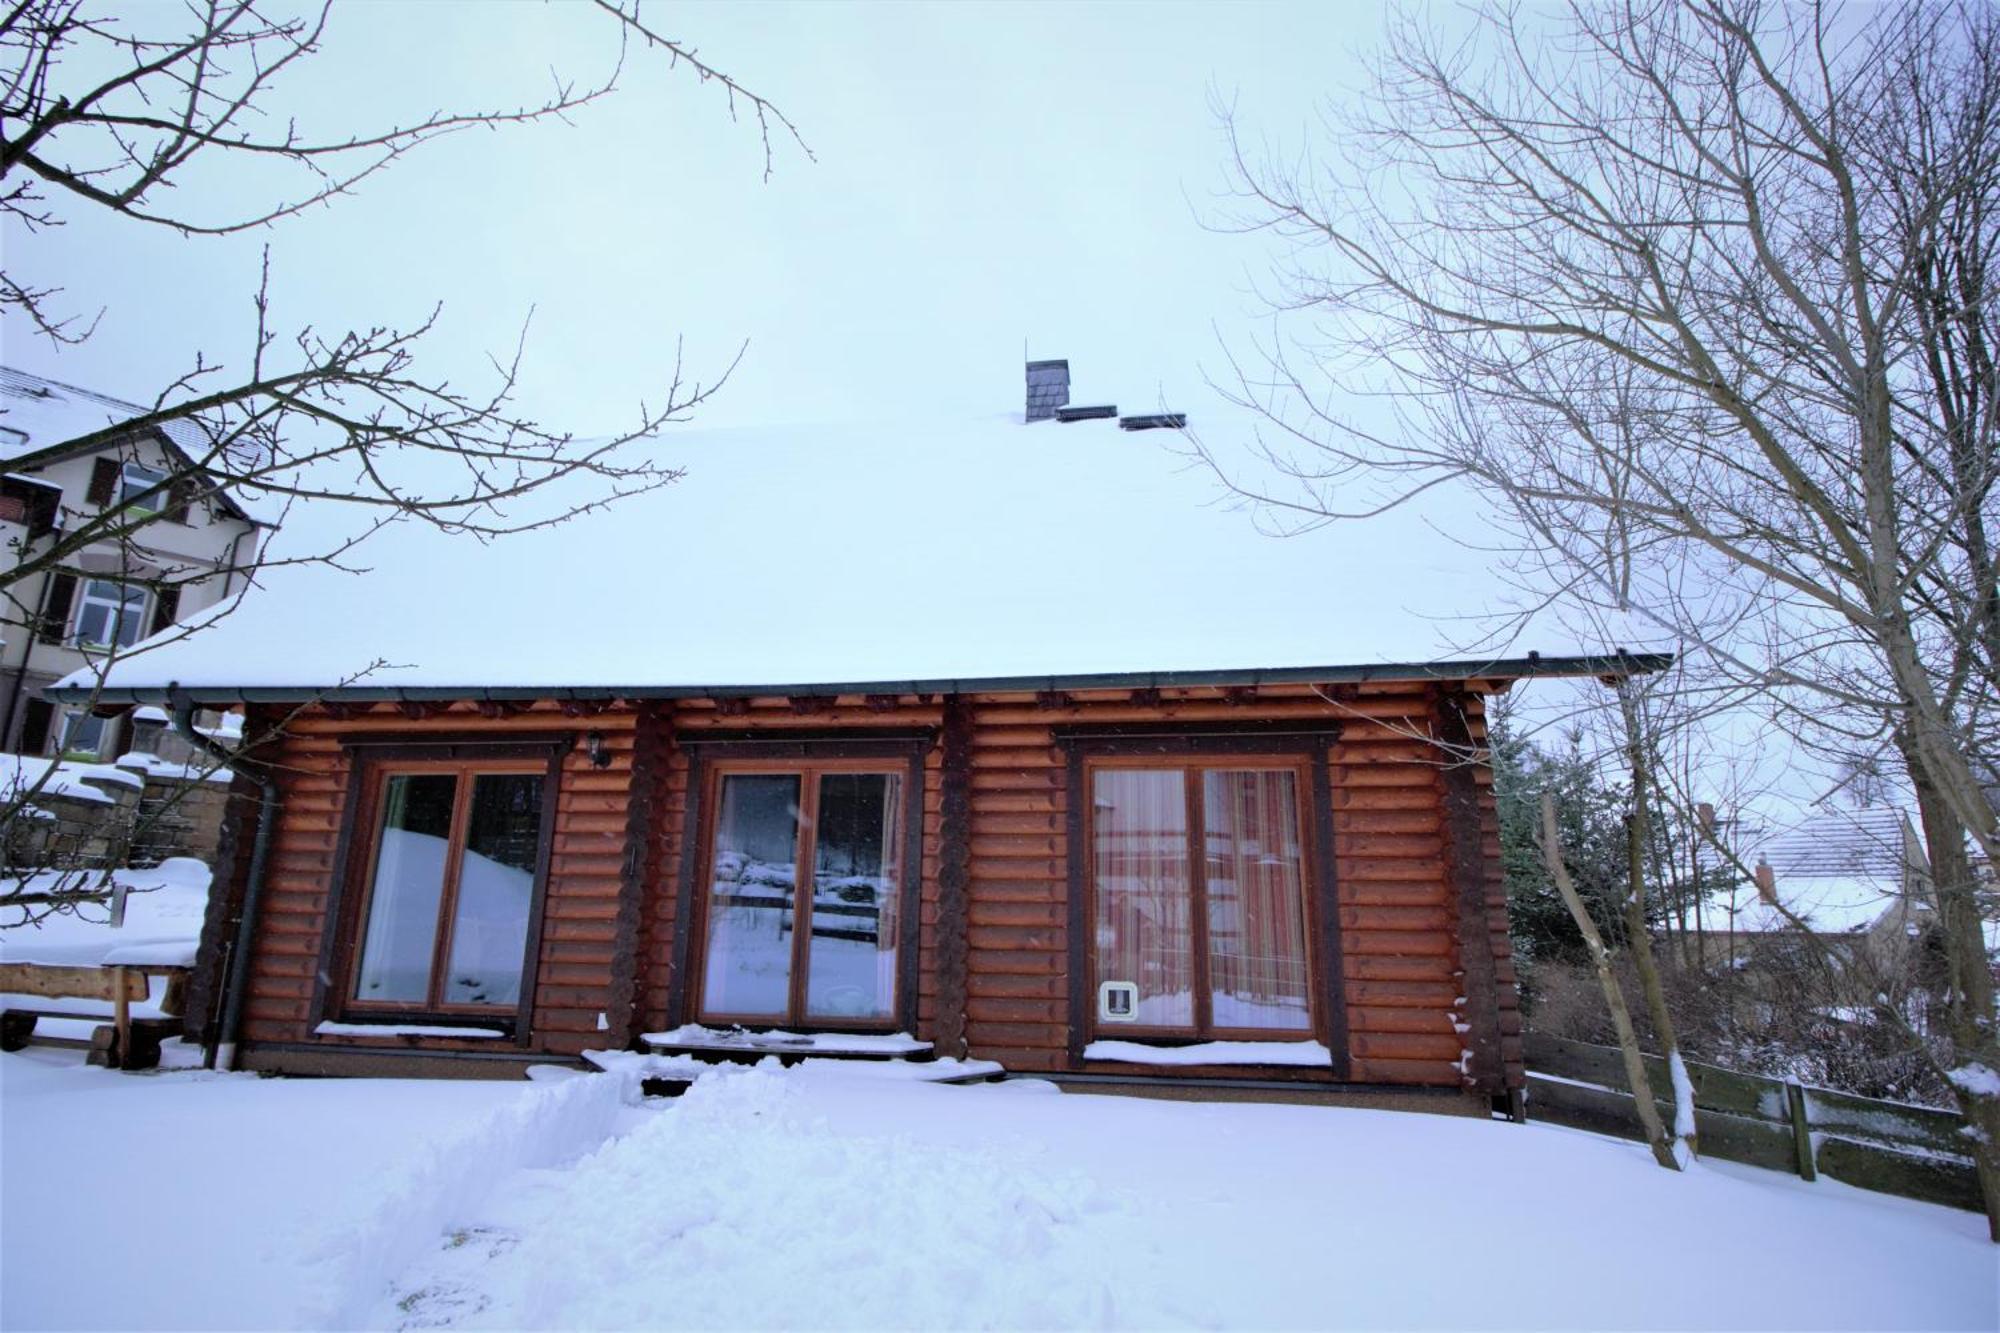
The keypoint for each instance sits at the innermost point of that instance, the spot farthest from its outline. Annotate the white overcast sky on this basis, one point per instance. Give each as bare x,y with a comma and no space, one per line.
986,177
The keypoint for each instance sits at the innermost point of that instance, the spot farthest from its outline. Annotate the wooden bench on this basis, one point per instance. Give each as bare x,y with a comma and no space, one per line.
124,1043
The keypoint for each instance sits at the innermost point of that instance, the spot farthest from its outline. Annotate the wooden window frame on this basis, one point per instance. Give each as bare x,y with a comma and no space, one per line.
1194,748
713,758
371,761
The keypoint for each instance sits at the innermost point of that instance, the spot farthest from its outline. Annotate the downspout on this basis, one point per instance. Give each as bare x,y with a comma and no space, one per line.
221,1054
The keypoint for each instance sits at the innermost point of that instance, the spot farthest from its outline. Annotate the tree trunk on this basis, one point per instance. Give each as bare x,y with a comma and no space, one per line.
1639,937
1974,1042
1614,998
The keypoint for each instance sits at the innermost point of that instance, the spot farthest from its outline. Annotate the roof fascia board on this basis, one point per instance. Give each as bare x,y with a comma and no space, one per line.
1510,668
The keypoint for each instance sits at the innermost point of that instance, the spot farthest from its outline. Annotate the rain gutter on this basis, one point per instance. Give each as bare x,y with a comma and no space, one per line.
1609,665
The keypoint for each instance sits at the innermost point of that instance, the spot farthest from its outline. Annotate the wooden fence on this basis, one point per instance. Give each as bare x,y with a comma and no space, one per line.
1915,1151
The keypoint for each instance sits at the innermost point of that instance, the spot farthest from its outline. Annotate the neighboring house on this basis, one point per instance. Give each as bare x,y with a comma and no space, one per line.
984,741
52,625
1845,872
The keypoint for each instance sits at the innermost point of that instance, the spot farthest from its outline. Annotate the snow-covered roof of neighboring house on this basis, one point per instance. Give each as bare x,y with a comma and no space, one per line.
917,552
38,415
1838,870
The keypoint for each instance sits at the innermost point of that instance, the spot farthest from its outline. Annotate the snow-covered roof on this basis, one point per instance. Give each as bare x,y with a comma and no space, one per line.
38,414
918,551
1839,870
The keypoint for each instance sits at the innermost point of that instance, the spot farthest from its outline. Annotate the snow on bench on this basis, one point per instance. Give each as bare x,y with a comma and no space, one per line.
1304,1053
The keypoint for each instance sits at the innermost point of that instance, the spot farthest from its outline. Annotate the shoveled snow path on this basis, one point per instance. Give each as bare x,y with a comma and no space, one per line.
769,1199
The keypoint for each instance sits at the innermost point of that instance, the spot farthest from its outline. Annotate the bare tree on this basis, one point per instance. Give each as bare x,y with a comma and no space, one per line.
1700,294
129,111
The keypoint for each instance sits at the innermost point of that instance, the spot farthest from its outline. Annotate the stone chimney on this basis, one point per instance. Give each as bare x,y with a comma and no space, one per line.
1767,881
1048,389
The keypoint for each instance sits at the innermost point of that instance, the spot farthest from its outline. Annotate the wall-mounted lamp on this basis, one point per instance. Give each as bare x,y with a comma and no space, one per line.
593,745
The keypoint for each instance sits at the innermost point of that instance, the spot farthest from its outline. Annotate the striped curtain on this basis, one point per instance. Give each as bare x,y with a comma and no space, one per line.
1145,906
1256,901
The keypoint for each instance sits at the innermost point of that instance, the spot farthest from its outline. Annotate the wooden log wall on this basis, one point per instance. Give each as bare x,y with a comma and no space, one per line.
1402,967
776,718
602,952
580,913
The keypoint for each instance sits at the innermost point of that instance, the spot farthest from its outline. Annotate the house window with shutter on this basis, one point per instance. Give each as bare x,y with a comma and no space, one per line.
142,488
109,614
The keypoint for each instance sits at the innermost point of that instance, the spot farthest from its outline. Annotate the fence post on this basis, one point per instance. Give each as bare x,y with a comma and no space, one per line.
1795,1104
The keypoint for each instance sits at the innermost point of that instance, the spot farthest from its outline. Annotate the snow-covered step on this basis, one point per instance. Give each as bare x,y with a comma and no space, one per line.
838,1045
685,1068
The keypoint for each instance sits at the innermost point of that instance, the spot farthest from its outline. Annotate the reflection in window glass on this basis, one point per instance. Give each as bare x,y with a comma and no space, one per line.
496,887
1139,853
135,481
856,875
83,734
408,883
1256,902
750,896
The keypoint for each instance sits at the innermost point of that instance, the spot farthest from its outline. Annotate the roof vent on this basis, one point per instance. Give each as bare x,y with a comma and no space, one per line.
1048,388
1155,421
1086,413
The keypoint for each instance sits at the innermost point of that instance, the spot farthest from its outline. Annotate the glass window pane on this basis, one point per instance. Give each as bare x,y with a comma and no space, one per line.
749,970
1139,852
84,734
409,878
93,623
857,875
496,886
1256,901
137,480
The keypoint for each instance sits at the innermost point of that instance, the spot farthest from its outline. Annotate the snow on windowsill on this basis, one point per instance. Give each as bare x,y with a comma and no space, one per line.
1304,1053
332,1029
693,1036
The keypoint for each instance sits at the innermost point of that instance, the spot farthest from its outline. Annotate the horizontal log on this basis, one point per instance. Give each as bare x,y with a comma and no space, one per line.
1374,917
1405,1073
1042,1010
994,890
1050,1034
1382,1019
1017,760
990,911
998,985
1395,943
1008,962
1398,967
1405,1046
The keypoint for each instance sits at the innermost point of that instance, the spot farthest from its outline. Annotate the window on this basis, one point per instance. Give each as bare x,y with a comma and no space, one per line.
109,614
452,868
83,735
804,900
135,481
1197,877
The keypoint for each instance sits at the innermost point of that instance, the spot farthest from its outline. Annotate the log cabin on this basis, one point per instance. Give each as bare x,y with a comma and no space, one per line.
997,748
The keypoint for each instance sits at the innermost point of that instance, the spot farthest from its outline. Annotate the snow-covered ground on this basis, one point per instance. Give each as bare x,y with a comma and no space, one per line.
816,1198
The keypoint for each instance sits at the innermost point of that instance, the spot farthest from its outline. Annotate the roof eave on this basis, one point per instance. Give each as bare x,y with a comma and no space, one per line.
1533,666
